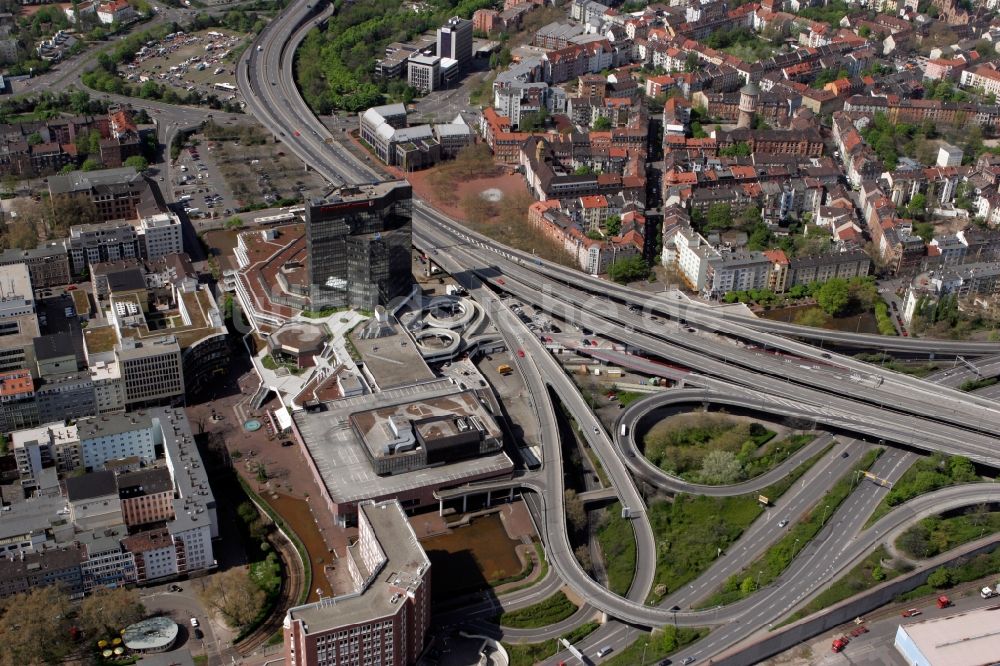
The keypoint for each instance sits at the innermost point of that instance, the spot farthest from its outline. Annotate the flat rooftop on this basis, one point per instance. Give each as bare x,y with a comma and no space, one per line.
100,339
389,354
345,468
266,258
963,639
402,568
16,283
203,318
374,423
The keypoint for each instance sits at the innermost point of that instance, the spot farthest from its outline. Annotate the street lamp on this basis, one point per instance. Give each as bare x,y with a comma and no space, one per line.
674,610
757,587
824,515
644,646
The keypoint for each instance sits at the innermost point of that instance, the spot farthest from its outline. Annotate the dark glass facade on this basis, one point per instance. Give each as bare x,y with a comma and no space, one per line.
358,241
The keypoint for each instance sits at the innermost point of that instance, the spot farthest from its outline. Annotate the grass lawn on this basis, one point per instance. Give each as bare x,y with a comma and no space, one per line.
618,545
716,449
656,645
626,398
690,531
927,474
549,611
865,575
766,568
528,654
935,535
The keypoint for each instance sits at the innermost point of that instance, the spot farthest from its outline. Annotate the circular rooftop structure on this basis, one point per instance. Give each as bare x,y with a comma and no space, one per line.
298,338
155,634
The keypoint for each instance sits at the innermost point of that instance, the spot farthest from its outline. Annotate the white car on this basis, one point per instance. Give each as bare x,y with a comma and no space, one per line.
783,523
194,622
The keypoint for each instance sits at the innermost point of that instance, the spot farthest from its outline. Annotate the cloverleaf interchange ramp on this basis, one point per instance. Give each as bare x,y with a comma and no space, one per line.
899,409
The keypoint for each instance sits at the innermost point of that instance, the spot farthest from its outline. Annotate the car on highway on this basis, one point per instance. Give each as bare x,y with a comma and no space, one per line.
688,660
911,612
783,523
604,651
520,353
845,454
174,588
500,281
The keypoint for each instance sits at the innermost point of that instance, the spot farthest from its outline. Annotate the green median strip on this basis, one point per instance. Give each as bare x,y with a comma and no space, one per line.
528,654
927,474
655,646
865,575
691,530
766,568
554,609
618,546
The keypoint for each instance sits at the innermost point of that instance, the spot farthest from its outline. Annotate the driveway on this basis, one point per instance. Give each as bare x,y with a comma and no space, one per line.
184,605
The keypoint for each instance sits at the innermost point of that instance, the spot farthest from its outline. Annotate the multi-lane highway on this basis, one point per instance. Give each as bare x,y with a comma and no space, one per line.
738,359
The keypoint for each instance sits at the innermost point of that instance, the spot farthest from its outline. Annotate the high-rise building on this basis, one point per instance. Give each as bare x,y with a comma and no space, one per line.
424,73
18,321
358,245
385,618
454,40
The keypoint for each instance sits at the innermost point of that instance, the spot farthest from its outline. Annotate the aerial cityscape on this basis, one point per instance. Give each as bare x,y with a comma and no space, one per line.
499,332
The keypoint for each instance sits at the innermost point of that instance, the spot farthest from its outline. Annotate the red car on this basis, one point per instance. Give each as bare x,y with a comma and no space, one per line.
520,352
72,287
297,133
500,281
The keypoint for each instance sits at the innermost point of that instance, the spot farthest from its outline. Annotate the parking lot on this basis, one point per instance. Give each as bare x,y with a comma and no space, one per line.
199,185
264,173
202,61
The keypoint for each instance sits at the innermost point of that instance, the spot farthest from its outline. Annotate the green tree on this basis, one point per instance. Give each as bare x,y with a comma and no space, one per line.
79,101
602,124
746,586
90,164
234,594
720,467
34,139
918,206
234,222
628,270
34,627
940,577
613,225
718,217
137,162
834,296
107,611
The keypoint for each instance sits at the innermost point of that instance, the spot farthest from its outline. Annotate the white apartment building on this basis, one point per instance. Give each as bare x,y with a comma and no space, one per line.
160,235
53,444
984,77
113,436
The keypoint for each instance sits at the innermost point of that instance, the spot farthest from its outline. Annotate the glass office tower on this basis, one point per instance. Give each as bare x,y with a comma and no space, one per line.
358,241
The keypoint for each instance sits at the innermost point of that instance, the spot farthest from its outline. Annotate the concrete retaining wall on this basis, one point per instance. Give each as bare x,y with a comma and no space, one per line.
848,609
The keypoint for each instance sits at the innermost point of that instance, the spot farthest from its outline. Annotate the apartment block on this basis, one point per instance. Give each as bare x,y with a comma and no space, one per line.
18,322
385,617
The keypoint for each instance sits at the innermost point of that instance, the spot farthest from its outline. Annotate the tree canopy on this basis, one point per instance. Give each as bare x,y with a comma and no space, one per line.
628,270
